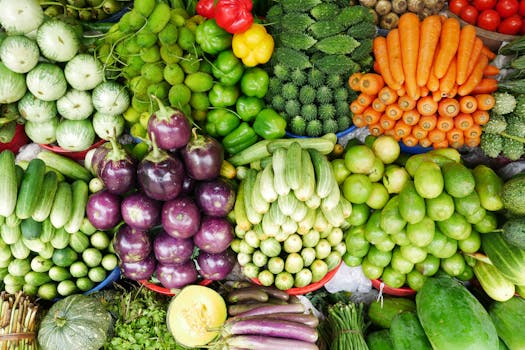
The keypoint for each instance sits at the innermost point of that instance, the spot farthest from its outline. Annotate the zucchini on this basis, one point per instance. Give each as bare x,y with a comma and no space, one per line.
255,152
80,194
497,286
10,234
8,183
288,203
62,205
508,259
324,144
259,204
239,209
46,196
292,168
279,165
269,226
509,317
407,334
325,179
29,188
268,191
381,313
306,188
64,165
253,216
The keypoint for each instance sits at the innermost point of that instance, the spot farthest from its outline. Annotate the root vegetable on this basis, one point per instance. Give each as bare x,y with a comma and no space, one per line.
389,21
415,6
368,3
383,7
399,6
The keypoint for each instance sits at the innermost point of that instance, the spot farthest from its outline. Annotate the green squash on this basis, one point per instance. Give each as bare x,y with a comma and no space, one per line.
75,322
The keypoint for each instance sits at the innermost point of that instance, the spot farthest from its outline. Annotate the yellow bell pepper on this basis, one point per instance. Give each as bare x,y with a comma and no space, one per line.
254,46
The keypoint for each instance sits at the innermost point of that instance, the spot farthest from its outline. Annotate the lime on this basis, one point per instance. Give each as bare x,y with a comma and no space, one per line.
415,280
377,171
359,215
453,265
386,148
429,266
378,196
341,172
357,188
359,159
370,270
471,244
351,260
399,263
393,278
413,253
378,257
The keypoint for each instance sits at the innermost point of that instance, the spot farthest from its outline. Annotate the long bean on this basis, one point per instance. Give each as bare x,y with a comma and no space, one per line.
344,327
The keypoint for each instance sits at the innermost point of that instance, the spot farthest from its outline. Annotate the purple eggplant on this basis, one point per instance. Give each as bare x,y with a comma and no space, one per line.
103,210
170,127
94,157
271,328
117,169
203,157
216,266
214,235
215,197
170,250
188,185
177,276
139,211
263,342
180,217
131,245
160,174
139,270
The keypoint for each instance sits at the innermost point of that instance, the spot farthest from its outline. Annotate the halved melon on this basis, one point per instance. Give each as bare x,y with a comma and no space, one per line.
193,312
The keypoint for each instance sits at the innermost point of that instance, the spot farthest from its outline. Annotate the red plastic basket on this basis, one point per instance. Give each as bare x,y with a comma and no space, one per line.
399,292
166,291
73,155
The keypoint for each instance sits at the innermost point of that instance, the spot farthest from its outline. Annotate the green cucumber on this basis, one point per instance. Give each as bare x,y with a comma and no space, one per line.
62,205
30,228
64,165
292,168
48,231
79,242
39,264
80,194
60,239
307,172
9,234
248,183
66,287
381,313
64,257
407,334
47,194
37,278
47,252
267,190
59,273
48,291
509,317
508,259
30,188
19,267
239,209
324,174
259,204
8,183
497,286
19,250
279,168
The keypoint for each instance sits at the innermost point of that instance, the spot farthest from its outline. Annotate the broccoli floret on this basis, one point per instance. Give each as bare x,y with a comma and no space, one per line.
324,94
491,144
496,124
289,91
307,94
298,125
292,108
513,149
314,128
326,111
309,112
505,103
344,122
298,77
330,125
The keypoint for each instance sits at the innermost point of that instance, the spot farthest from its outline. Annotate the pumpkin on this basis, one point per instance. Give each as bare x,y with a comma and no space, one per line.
75,322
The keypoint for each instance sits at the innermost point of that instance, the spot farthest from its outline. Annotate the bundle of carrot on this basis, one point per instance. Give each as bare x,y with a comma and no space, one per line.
432,84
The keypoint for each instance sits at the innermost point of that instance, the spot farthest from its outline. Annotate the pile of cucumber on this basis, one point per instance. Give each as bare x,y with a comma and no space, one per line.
47,246
289,213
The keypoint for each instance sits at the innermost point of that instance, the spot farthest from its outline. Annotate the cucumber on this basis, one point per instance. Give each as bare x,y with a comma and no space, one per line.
497,286
30,188
48,291
60,239
324,144
12,220
8,183
267,190
79,242
47,252
47,194
239,209
10,235
64,257
509,317
84,284
488,186
66,287
34,245
324,174
307,172
259,204
248,184
62,205
334,216
332,200
292,168
407,334
80,194
48,231
287,203
19,267
381,313
37,278
39,264
65,166
59,273
255,152
30,228
452,317
19,250
279,169
159,17
508,259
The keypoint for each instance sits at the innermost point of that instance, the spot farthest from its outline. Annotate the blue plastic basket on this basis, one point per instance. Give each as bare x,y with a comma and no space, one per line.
339,134
112,277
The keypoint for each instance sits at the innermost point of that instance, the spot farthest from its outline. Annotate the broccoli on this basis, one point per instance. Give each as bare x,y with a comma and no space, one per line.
505,103
298,125
491,144
495,125
513,149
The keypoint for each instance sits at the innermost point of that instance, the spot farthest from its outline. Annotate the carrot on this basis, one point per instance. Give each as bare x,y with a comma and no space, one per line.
358,120
371,116
394,56
406,103
428,41
444,123
411,117
364,99
401,91
371,83
440,144
488,52
393,111
491,70
375,129
424,91
473,131
409,34
476,51
448,107
463,121
402,129
433,82
468,104
418,132
437,95
427,106
467,37
425,142
475,77
375,67
452,93
446,83
389,132
436,135
481,117
356,108
386,122
381,57
485,101
486,86
378,105
354,81
472,141
428,122
410,140
387,95
454,135
450,31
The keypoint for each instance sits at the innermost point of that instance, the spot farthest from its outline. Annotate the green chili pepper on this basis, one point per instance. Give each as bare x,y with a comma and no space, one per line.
220,122
269,124
227,68
254,82
239,139
223,96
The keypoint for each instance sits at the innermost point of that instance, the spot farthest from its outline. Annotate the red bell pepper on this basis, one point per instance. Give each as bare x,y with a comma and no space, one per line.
235,16
206,8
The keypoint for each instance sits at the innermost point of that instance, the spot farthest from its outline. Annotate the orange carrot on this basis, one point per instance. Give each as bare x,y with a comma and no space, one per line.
425,142
490,70
409,34
418,132
437,95
467,37
389,132
485,101
406,103
428,122
411,117
386,122
433,82
354,81
381,57
356,108
446,83
394,56
481,117
436,135
364,99
488,52
440,144
473,131
378,105
402,129
444,123
427,106
454,135
401,91
471,141
375,67
358,120
468,104
448,107
375,129
428,41
476,51
475,77
393,111
463,121
449,45
410,140
371,83
486,86
371,116
387,95
452,93
424,91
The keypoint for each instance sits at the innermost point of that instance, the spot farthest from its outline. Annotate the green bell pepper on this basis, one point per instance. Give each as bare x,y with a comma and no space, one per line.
248,107
269,124
220,122
221,95
254,82
227,68
239,139
212,38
